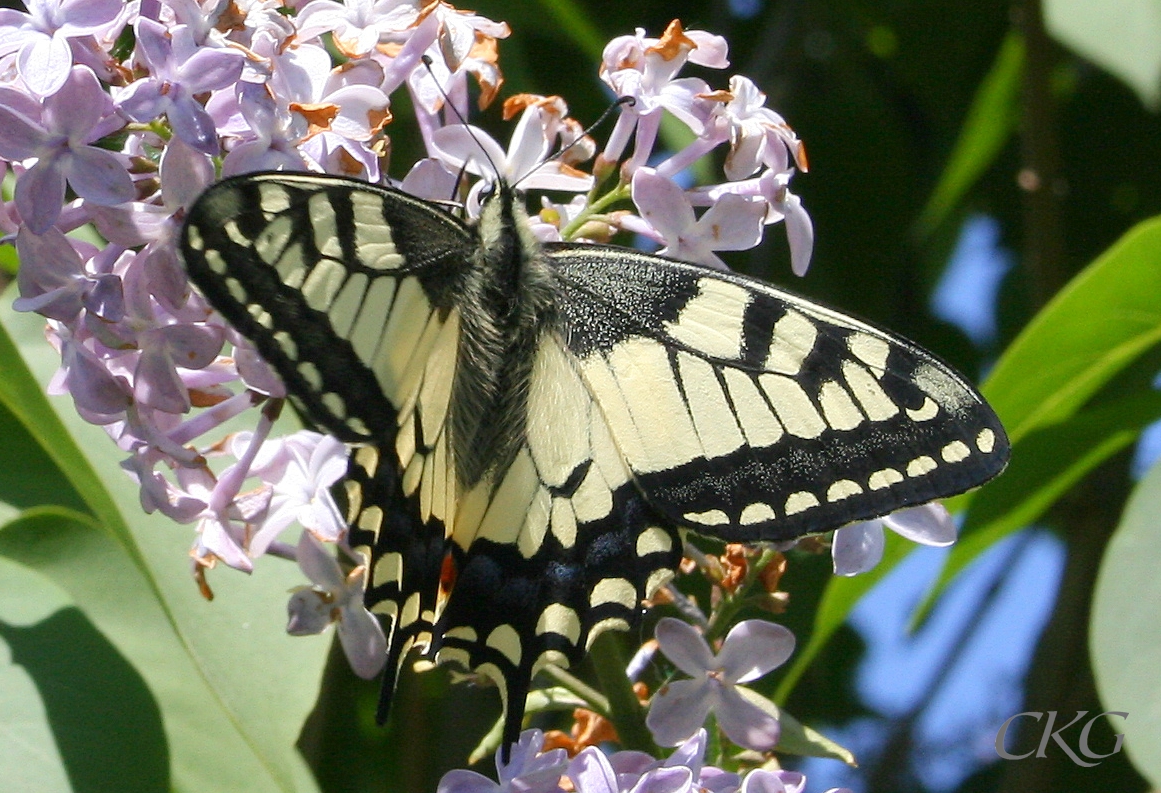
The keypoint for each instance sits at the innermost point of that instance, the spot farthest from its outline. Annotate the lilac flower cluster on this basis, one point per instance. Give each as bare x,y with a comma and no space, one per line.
116,116
532,771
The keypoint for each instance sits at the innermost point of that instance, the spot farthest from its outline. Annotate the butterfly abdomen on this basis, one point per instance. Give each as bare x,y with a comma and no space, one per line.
505,306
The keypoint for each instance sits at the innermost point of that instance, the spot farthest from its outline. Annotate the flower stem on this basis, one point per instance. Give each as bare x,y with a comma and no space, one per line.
595,700
627,714
618,193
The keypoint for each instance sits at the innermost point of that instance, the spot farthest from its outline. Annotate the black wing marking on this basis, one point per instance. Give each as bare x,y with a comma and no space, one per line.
749,414
335,281
347,290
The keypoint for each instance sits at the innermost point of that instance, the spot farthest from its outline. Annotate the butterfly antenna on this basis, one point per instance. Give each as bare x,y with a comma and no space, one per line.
616,105
456,112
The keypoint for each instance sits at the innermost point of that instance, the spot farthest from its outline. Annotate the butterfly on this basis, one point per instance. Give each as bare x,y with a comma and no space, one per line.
533,427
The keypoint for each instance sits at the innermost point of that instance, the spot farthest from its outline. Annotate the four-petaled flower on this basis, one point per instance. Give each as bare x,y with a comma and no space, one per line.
336,597
527,770
40,38
57,133
751,649
733,223
179,69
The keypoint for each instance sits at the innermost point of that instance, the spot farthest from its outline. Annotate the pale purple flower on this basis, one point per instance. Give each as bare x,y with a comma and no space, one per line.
733,223
273,147
356,25
346,100
157,492
858,547
336,598
526,161
95,390
179,70
40,38
592,772
185,173
750,650
57,283
758,135
301,467
786,206
451,41
762,780
644,69
459,30
58,134
527,770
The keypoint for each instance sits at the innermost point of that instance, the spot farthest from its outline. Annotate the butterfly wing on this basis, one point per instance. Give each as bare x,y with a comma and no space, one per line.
347,290
748,413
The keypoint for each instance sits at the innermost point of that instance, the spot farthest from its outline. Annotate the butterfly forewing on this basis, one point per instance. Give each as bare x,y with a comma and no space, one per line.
338,287
750,414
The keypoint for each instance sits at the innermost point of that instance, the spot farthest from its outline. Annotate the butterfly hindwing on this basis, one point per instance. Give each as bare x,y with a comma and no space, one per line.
750,414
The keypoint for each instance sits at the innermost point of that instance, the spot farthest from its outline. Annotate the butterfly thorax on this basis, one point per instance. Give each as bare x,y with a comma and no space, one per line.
505,305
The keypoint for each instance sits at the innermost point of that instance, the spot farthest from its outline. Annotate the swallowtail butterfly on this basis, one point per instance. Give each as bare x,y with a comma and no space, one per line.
532,427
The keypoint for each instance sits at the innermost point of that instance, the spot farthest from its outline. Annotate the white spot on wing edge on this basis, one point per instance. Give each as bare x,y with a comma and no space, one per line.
559,619
607,624
758,512
955,451
928,410
657,579
505,639
921,465
986,440
800,502
464,633
614,590
653,540
711,517
884,478
843,488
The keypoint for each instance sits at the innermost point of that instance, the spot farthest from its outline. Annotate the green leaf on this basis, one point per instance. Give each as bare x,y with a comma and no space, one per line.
990,122
1123,37
232,688
81,677
1105,318
797,738
30,424
1123,642
29,758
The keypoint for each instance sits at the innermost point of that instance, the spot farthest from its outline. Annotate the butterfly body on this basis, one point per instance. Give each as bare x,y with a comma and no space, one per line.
532,426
